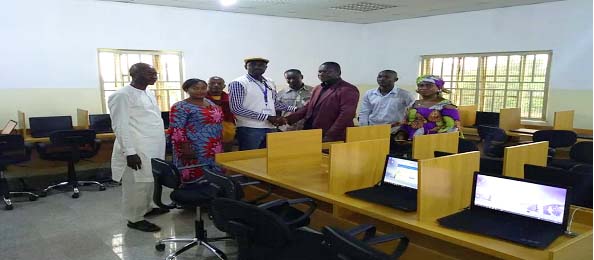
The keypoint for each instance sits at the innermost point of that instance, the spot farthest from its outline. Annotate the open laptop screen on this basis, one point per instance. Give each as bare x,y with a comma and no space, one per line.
402,172
528,199
100,123
10,125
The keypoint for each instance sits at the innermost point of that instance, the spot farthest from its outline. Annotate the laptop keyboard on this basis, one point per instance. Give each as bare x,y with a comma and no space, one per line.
390,196
518,229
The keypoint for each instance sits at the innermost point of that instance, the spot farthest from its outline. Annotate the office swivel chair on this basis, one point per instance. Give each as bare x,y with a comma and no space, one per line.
195,195
263,234
556,139
70,146
343,245
12,150
494,140
581,182
580,153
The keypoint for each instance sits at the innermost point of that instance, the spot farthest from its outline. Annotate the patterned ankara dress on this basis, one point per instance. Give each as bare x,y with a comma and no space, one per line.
202,128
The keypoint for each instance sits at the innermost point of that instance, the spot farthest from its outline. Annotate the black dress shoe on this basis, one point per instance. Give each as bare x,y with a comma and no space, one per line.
144,226
156,212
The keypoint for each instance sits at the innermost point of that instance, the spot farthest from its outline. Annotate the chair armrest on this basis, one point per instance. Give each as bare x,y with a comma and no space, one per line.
274,203
97,144
28,149
42,148
157,193
399,250
308,201
249,183
191,166
367,228
263,196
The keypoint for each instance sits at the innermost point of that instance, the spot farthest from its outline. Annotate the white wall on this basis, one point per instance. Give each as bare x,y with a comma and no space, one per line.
565,27
55,41
53,44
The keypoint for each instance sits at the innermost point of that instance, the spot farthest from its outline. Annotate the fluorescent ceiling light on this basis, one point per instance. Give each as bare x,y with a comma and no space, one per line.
228,2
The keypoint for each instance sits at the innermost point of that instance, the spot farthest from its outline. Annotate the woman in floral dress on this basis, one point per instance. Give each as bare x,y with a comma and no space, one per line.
196,128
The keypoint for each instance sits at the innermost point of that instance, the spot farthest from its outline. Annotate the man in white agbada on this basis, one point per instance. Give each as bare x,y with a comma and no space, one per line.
138,127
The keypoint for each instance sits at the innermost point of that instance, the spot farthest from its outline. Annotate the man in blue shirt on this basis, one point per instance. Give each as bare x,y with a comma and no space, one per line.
386,104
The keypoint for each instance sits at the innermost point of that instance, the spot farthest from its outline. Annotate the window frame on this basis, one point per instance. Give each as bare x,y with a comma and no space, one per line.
140,52
481,76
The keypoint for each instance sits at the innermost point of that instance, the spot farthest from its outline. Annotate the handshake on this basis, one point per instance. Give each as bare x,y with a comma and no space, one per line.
277,120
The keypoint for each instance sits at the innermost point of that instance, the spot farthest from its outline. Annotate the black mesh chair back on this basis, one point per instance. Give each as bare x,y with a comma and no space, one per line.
165,174
491,165
227,186
556,138
579,181
11,143
344,245
250,224
466,146
583,168
581,152
494,140
12,150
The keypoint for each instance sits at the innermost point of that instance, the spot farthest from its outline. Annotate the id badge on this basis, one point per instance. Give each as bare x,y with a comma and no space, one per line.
267,111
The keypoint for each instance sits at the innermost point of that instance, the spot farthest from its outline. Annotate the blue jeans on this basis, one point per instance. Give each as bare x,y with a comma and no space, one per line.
252,138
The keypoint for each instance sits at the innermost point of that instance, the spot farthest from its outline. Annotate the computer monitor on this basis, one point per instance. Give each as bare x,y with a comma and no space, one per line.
520,197
101,123
165,117
44,126
487,118
9,127
401,172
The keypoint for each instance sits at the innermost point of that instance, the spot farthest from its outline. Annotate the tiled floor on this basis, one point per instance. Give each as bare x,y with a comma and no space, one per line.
91,228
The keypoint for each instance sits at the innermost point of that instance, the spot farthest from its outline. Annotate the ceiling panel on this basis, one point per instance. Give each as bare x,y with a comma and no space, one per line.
336,10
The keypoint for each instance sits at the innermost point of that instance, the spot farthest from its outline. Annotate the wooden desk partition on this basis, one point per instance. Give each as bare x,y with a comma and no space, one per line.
510,118
22,122
240,155
294,150
357,165
563,120
362,133
467,114
445,184
82,118
425,145
515,157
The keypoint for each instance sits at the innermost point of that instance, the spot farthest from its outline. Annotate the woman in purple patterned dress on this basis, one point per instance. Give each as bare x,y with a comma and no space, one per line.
196,129
431,114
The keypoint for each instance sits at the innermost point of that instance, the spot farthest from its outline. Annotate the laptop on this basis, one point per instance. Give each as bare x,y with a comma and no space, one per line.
398,187
44,126
100,123
522,211
9,127
487,118
580,182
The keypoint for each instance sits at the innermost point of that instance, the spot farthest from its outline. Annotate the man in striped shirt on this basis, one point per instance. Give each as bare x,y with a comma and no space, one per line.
253,101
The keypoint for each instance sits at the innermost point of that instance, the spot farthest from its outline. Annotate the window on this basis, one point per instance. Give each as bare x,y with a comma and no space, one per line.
495,80
113,70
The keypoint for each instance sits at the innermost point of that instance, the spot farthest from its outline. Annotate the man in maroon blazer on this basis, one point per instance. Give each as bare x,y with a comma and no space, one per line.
332,106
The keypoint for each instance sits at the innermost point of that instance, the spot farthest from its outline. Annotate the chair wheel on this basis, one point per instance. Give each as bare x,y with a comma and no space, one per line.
8,207
42,194
32,198
160,247
101,188
75,195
